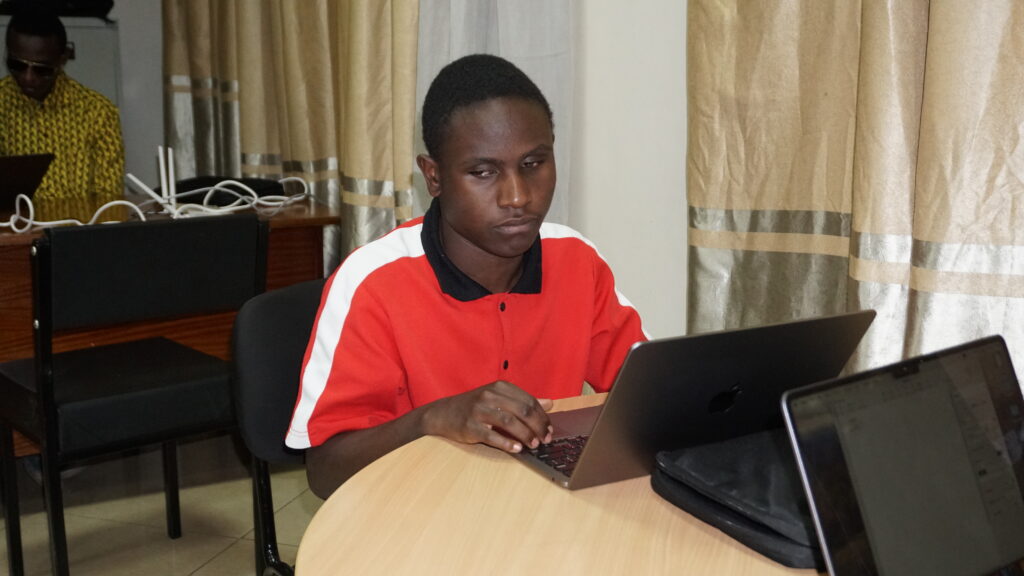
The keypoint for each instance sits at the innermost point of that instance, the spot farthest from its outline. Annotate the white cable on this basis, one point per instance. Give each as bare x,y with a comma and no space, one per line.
113,203
246,198
20,224
16,218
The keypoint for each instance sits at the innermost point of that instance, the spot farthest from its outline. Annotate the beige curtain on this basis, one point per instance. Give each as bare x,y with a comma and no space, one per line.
320,89
858,154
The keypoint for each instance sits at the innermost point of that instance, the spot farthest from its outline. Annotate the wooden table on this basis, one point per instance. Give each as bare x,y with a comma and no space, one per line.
295,253
437,507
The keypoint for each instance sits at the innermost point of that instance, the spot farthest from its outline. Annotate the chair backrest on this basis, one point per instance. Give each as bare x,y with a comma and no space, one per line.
268,346
106,274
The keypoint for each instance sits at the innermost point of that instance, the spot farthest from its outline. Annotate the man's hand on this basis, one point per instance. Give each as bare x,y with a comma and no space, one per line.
499,414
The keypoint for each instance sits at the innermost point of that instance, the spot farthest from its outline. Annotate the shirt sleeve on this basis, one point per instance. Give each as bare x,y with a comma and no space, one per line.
108,155
352,377
616,327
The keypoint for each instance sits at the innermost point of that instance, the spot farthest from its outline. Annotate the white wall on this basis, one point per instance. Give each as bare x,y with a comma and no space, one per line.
142,124
629,143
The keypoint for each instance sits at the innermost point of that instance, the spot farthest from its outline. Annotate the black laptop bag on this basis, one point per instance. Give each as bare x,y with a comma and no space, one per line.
750,489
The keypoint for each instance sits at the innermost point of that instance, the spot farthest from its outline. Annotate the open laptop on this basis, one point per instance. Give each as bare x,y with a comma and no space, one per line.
21,175
688,390
916,468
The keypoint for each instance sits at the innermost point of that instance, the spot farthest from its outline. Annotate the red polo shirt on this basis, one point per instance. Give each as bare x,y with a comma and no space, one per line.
400,326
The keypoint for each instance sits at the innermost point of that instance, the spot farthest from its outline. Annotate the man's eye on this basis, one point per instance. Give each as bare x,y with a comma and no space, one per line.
532,163
482,173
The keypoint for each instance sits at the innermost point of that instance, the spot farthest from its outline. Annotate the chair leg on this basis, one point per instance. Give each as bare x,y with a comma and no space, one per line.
170,452
54,499
257,467
12,513
268,559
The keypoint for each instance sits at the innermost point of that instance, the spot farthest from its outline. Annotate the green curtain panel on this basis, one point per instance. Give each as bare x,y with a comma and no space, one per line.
852,155
320,89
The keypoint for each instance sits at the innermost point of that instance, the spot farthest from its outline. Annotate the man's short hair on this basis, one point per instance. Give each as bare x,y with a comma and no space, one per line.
467,81
37,19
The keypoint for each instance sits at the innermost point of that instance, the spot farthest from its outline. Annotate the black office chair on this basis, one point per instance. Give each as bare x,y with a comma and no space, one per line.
107,399
269,343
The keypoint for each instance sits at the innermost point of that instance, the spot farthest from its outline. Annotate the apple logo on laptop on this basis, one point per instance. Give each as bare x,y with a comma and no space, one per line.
723,401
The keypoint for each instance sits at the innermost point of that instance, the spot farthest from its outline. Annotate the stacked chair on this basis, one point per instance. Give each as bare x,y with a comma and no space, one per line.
97,400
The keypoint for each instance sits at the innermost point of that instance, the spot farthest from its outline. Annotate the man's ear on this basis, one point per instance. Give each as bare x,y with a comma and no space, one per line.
67,52
431,174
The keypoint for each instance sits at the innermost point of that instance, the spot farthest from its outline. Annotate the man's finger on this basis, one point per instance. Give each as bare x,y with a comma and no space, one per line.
528,422
503,442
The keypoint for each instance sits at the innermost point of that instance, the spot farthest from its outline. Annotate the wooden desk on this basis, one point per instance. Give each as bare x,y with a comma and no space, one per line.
295,254
438,507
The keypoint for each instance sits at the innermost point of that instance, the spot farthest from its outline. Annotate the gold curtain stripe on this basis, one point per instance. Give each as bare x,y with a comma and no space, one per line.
257,159
771,242
924,280
315,176
276,171
999,285
320,165
353,199
403,213
262,169
879,272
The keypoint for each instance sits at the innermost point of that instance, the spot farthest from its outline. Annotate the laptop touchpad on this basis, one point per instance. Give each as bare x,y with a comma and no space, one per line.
574,422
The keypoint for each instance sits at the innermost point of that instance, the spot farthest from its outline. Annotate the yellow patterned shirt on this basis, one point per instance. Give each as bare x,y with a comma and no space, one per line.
79,126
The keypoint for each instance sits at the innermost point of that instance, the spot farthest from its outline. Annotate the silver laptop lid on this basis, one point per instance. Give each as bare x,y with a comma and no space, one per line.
708,387
917,468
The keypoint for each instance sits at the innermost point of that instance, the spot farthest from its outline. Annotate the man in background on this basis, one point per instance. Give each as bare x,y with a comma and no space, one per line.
42,110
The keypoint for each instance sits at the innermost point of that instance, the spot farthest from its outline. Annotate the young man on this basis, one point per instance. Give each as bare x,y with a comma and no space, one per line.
466,322
44,111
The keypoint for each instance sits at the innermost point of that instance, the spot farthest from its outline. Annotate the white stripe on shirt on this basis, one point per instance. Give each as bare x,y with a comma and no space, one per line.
400,243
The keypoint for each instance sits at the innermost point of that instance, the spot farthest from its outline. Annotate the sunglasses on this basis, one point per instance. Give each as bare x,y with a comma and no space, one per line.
19,66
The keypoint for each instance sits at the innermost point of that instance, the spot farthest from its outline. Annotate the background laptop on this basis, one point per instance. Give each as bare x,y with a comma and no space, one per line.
683,391
918,467
21,175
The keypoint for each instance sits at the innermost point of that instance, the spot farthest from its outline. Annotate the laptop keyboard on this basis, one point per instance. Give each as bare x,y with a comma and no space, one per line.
561,454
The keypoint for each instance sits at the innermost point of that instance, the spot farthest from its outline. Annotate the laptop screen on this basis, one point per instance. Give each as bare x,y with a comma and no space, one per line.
21,175
918,468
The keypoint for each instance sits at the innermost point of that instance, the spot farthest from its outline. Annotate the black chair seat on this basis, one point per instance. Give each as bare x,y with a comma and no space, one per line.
124,395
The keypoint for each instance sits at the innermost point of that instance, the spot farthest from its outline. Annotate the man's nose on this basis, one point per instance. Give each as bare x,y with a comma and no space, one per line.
30,75
515,192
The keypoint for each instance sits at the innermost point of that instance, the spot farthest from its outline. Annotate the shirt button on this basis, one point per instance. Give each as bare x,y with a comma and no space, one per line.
501,306
504,366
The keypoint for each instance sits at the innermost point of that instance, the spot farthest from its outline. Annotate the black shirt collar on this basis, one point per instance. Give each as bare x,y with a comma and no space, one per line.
453,281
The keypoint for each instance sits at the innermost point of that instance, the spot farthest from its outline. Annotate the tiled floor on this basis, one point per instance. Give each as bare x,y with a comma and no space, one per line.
114,512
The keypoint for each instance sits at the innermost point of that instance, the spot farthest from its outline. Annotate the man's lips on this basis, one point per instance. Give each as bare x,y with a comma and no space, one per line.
516,225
